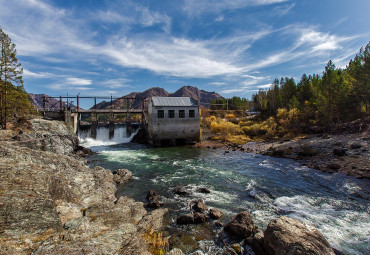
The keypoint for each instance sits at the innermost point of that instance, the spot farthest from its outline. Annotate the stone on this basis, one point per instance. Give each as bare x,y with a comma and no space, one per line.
215,213
333,166
355,146
199,218
241,226
339,152
185,219
122,175
258,243
180,190
289,236
199,206
204,190
154,200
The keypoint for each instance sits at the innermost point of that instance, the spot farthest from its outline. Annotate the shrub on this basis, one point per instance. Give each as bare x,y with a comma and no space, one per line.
158,245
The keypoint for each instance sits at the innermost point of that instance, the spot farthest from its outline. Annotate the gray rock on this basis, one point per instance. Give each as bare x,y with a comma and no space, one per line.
122,175
204,190
289,236
339,152
154,200
241,225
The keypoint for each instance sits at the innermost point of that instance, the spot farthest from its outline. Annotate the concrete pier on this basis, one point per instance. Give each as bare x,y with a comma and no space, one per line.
94,125
111,127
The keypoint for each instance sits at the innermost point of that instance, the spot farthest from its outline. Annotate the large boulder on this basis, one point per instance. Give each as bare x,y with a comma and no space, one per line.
185,219
199,206
241,226
289,236
121,176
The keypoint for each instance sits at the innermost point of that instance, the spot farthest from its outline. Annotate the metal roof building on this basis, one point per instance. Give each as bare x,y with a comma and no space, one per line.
172,120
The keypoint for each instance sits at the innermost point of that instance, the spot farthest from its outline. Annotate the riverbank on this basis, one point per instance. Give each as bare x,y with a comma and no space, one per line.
51,202
346,151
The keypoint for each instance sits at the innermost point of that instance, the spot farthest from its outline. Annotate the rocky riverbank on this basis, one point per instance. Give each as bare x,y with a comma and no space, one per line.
51,202
345,153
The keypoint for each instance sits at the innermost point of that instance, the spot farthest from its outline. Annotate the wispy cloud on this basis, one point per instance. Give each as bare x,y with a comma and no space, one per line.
78,81
196,7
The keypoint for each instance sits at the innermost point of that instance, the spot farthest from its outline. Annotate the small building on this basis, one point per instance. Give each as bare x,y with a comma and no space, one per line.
172,120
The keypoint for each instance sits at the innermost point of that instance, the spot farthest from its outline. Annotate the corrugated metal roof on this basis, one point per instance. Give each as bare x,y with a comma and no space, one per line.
173,101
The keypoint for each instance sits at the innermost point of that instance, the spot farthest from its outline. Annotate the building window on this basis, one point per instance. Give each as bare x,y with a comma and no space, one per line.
191,114
181,113
160,114
171,114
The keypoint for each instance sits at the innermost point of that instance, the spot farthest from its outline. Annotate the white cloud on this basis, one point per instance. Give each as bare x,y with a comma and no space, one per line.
78,81
216,83
265,86
116,83
30,74
196,7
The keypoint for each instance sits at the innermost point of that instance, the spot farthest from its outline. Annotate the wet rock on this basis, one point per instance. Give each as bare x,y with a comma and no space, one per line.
355,146
289,236
82,151
339,152
215,213
185,219
154,200
122,175
333,166
199,218
258,243
307,151
204,190
180,190
199,206
241,225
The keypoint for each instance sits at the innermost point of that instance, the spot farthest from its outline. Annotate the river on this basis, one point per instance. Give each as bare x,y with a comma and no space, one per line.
337,205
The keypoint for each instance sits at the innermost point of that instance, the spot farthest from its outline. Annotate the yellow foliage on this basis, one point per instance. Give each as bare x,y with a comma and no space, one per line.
212,118
230,116
158,245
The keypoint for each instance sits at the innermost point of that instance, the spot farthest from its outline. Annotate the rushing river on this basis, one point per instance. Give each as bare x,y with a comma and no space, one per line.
336,204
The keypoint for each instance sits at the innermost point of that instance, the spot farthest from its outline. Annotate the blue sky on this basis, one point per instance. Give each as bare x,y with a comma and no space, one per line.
101,47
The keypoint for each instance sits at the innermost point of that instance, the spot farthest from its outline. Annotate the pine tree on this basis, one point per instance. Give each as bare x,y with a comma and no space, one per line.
10,74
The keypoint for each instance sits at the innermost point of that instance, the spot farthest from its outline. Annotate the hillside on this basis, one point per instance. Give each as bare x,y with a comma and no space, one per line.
51,103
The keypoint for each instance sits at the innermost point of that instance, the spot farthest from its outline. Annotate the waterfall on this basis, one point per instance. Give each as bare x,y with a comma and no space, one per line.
102,135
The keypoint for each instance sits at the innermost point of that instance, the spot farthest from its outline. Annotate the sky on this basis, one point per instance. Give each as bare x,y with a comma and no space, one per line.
233,47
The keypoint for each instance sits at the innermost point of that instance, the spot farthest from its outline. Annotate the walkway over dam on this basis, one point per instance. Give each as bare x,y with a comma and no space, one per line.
68,108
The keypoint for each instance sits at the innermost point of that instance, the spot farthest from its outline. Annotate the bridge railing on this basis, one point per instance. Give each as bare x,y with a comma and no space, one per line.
61,103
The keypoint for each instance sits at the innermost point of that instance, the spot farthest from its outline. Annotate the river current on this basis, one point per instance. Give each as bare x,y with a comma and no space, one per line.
337,205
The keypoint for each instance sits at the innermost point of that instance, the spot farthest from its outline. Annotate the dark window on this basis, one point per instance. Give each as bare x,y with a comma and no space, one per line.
181,113
160,114
171,114
191,114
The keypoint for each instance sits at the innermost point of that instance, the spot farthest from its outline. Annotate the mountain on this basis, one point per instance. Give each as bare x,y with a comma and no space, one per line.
51,103
202,96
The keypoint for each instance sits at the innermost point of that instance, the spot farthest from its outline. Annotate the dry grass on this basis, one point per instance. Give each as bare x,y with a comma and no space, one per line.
158,245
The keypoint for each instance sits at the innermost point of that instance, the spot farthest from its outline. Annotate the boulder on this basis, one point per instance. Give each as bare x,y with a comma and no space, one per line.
215,213
122,175
241,226
204,190
185,219
258,243
154,200
199,206
199,218
180,190
289,236
333,166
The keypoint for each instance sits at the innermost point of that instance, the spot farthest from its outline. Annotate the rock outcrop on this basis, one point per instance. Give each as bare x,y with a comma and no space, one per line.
289,236
241,225
53,203
122,175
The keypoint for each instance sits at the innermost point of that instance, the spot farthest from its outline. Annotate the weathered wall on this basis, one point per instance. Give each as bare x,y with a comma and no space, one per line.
172,128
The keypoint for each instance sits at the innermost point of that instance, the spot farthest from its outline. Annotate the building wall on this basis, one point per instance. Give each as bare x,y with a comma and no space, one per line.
172,129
